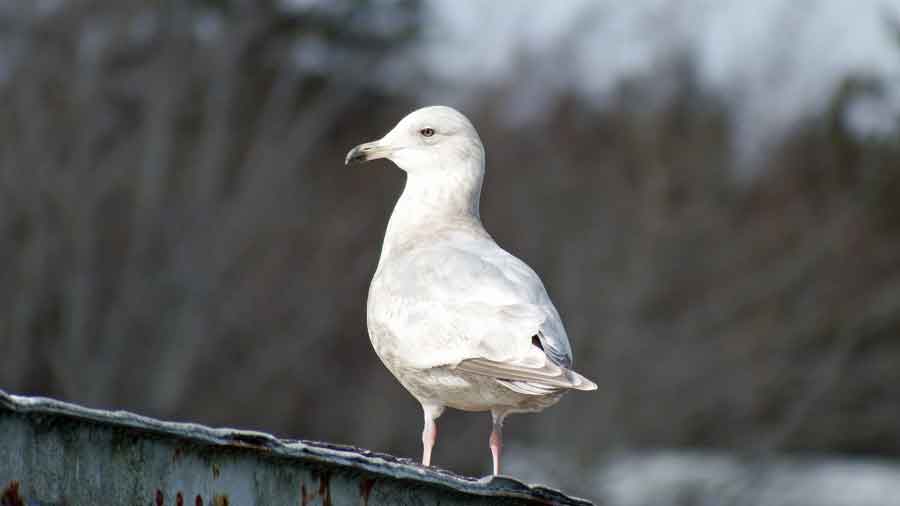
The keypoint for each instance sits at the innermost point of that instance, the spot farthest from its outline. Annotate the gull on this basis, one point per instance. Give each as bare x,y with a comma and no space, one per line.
459,321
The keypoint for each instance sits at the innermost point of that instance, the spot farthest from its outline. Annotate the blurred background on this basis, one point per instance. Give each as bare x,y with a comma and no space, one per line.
710,191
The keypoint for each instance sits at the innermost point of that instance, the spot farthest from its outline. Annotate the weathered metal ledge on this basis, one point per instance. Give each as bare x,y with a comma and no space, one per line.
56,453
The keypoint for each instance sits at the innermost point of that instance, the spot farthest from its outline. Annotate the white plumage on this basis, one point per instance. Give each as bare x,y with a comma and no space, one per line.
458,320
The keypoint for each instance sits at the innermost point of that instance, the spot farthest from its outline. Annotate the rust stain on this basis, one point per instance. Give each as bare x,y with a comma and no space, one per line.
160,500
325,488
308,497
179,453
220,500
216,471
258,443
179,499
11,495
365,489
198,501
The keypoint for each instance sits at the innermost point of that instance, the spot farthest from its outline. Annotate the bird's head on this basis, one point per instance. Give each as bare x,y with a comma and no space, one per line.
431,139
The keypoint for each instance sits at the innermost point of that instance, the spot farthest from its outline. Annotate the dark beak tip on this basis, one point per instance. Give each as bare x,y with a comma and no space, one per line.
355,159
356,155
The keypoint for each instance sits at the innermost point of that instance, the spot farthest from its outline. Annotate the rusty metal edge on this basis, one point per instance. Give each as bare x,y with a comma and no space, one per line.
310,451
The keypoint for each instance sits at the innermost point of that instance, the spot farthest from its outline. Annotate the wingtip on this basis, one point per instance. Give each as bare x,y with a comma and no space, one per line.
587,386
581,383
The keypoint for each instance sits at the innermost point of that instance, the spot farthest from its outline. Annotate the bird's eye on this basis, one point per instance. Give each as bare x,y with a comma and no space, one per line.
427,132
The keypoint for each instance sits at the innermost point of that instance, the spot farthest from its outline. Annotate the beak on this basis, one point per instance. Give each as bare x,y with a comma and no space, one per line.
368,151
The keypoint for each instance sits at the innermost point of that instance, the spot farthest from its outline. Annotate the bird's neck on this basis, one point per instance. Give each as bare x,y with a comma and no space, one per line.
432,201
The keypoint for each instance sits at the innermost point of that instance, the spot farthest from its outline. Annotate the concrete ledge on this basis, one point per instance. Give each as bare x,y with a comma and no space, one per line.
55,453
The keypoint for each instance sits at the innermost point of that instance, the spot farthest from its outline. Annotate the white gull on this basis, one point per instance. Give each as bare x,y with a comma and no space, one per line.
459,321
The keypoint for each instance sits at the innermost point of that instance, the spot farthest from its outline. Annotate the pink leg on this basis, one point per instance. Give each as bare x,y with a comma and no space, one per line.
429,433
496,443
496,440
429,436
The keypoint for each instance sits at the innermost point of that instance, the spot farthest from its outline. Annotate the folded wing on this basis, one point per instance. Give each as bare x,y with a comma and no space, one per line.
477,308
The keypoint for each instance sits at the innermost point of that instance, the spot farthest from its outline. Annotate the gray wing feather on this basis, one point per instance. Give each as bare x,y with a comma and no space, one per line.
552,349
